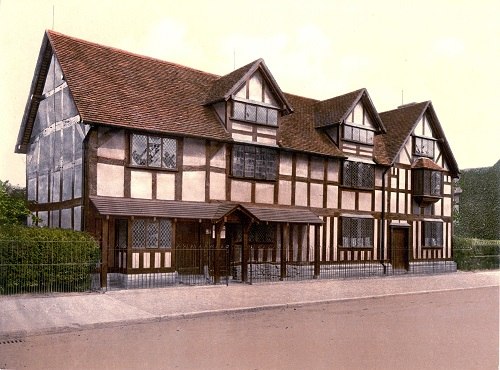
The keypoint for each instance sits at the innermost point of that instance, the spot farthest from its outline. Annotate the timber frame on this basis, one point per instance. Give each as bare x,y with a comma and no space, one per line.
158,158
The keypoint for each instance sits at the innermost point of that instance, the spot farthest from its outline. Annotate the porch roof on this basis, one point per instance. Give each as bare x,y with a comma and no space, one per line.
126,207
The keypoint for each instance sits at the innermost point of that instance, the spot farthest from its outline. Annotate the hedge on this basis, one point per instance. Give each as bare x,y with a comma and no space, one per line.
476,254
46,260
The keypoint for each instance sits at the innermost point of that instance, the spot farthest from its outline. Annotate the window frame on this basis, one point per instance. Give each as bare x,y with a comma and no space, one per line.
269,122
432,230
251,162
353,127
422,184
426,140
149,139
149,223
364,229
359,176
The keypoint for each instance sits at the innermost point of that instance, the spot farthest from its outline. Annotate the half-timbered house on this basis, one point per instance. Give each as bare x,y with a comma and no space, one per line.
154,158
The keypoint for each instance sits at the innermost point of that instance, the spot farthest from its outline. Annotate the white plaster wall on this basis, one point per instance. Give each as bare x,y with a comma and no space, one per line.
365,201
286,164
242,138
193,186
194,152
264,193
242,126
402,179
437,207
317,195
333,170
111,145
241,191
401,203
317,171
447,189
393,206
378,201
217,186
266,131
302,166
165,186
348,200
110,181
219,159
301,193
141,184
266,140
332,193
285,192
447,207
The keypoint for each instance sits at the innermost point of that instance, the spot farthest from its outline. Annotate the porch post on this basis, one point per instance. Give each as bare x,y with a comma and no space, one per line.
218,229
317,237
285,242
104,253
245,252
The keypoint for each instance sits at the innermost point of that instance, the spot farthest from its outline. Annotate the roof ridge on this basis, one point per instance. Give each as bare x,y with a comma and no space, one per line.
405,107
130,53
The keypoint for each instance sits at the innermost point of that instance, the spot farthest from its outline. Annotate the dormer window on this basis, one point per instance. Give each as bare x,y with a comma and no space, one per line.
254,113
423,147
357,134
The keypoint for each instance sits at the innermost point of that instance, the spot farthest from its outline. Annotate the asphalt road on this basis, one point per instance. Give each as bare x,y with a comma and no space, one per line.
442,330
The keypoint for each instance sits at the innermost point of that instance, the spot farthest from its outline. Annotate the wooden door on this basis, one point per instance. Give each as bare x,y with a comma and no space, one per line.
188,250
399,248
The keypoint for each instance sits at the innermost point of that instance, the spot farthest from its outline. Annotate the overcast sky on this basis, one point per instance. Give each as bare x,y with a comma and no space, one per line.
447,51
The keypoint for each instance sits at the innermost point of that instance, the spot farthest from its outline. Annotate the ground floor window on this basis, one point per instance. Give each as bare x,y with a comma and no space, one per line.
357,232
150,233
433,234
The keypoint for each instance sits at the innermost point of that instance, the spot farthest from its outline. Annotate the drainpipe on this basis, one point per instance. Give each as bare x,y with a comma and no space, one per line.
382,222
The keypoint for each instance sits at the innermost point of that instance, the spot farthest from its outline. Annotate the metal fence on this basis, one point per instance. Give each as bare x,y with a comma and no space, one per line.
41,267
47,266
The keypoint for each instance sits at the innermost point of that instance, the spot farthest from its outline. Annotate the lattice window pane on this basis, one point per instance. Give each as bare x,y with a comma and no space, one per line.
369,137
271,158
238,110
436,179
152,234
139,150
138,233
238,163
249,161
357,232
433,234
260,163
262,234
169,155
261,115
121,240
272,117
251,113
154,151
348,132
165,234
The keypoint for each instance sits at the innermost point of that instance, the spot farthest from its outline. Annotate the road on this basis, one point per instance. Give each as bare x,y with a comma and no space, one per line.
442,330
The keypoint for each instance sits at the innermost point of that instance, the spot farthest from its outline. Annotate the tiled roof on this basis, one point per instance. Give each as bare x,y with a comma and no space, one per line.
297,130
223,85
335,110
426,163
399,124
118,88
111,206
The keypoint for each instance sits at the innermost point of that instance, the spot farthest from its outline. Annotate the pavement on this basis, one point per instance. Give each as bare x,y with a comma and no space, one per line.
28,315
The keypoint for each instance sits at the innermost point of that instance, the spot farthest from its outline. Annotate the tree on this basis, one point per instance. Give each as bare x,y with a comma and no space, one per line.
13,206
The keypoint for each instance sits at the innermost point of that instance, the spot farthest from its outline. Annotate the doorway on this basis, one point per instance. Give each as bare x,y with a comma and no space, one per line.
399,248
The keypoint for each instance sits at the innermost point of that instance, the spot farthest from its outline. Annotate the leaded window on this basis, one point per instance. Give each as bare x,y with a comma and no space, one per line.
358,175
254,162
153,151
357,134
433,234
255,113
357,232
262,234
423,147
150,233
427,183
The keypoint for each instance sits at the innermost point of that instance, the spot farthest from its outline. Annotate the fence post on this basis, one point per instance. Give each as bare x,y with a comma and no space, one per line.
104,254
285,241
317,236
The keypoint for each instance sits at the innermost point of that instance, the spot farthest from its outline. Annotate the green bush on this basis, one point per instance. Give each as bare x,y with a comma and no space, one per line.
46,260
476,254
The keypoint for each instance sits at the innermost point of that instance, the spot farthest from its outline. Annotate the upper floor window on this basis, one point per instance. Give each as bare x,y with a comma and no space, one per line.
151,233
254,162
358,175
427,183
255,113
153,151
432,234
358,134
423,147
357,232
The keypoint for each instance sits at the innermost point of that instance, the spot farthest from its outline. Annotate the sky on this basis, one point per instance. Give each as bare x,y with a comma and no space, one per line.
446,51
